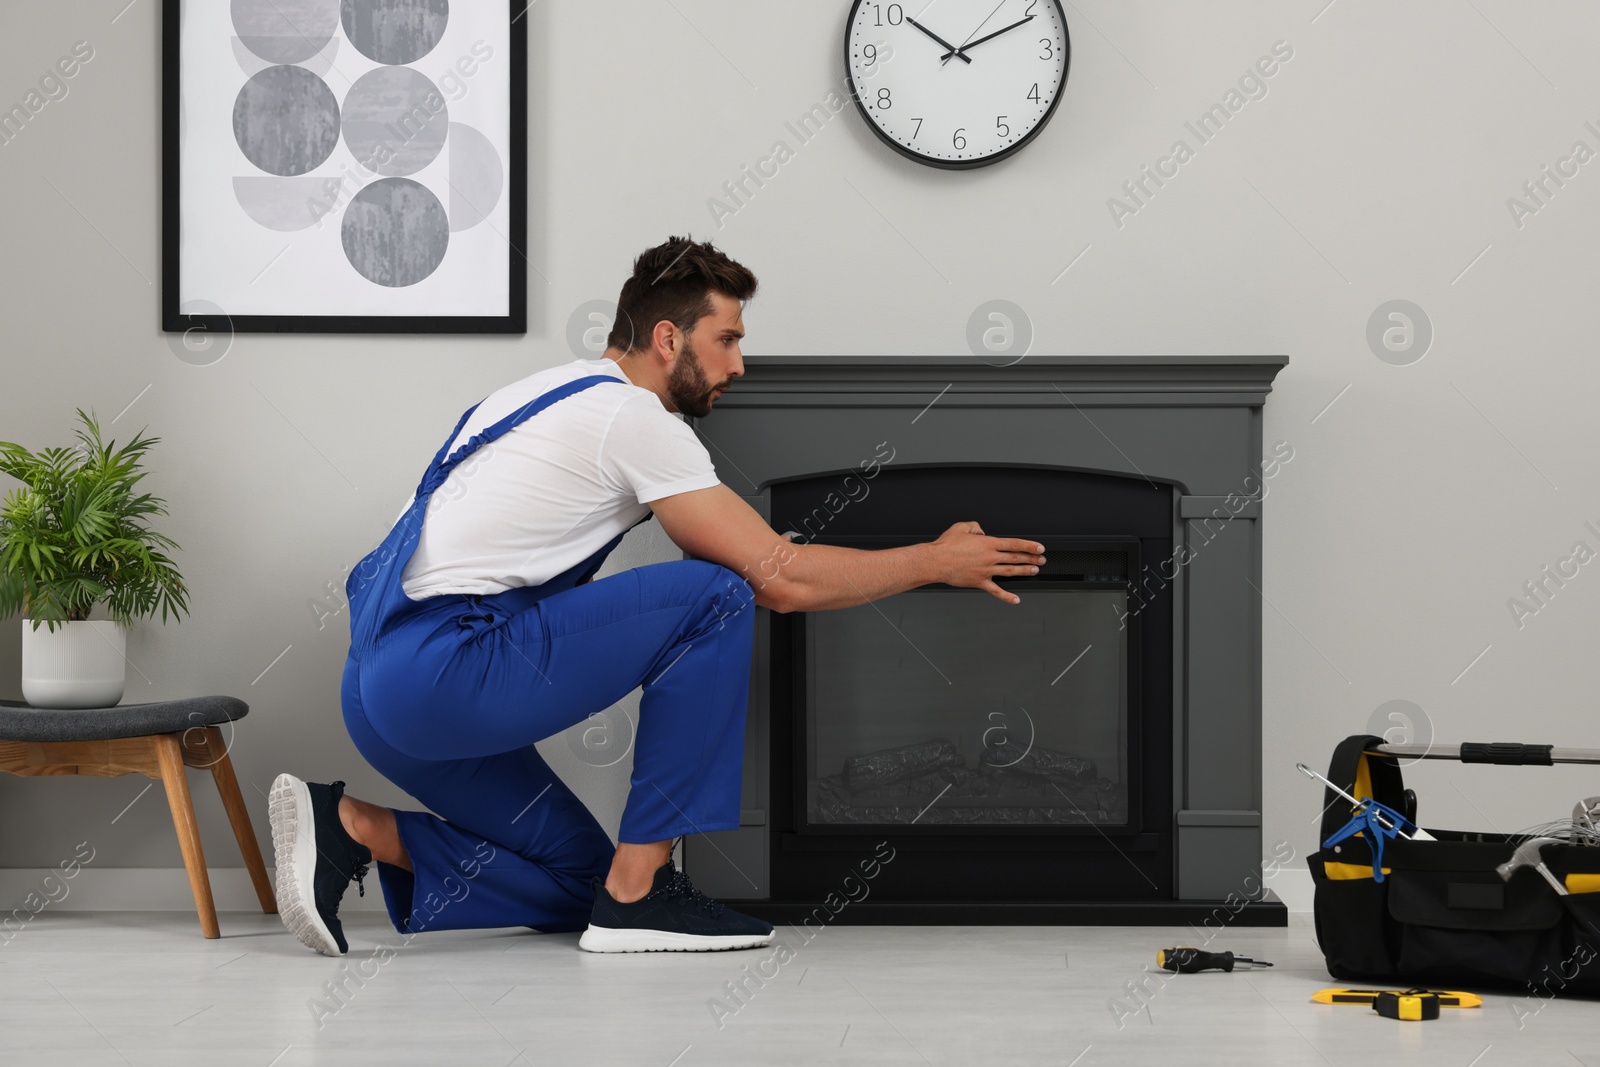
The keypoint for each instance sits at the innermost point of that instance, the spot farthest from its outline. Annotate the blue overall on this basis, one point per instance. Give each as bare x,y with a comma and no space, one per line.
445,696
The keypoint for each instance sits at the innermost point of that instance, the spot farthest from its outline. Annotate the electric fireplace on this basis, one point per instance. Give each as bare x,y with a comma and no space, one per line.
1090,754
938,710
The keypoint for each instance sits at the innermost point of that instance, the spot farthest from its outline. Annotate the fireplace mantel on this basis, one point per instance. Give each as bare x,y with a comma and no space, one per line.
1034,412
1182,380
1189,424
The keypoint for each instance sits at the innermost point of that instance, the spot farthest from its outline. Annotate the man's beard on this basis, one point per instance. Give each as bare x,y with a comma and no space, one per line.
687,384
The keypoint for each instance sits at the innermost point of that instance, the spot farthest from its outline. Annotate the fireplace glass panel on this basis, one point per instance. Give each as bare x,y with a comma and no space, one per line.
945,706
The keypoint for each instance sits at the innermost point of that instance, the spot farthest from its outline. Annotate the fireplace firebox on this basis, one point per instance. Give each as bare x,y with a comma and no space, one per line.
1033,762
937,710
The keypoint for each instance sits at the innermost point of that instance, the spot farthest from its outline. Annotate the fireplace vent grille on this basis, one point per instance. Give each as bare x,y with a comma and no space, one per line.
1084,566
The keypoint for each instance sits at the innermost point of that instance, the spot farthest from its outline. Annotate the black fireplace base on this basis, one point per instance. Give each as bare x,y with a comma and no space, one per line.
1199,914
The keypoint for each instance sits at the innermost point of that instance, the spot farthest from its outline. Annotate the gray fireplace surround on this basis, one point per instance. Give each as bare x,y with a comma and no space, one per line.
1193,423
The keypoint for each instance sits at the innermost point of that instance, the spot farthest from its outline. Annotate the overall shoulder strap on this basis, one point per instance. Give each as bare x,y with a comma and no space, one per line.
439,457
440,471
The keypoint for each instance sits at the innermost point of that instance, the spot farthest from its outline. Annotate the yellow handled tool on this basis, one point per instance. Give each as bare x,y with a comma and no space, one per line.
1447,998
1185,960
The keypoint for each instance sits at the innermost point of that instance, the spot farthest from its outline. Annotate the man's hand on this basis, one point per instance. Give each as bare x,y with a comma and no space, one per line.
967,557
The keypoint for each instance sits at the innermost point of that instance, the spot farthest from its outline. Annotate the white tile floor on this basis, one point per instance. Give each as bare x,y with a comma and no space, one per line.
143,988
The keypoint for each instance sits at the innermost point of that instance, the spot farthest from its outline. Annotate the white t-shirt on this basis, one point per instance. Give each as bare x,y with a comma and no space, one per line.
554,490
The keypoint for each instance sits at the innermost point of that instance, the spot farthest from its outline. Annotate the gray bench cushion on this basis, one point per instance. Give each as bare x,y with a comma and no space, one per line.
19,722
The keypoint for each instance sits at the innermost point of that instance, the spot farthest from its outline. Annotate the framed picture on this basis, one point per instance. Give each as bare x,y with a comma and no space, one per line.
344,166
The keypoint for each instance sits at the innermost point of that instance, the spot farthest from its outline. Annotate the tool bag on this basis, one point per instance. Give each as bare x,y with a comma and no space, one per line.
1442,915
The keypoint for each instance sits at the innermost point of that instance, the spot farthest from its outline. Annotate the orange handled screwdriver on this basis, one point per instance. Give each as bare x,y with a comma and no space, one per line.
1194,960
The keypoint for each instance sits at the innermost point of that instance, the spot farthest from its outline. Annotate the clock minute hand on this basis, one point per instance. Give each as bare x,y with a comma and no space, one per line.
960,53
941,40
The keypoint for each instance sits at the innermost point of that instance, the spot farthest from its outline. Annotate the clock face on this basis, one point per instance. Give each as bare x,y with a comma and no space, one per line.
957,83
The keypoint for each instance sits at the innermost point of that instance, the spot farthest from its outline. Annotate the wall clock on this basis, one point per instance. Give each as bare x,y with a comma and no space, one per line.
965,84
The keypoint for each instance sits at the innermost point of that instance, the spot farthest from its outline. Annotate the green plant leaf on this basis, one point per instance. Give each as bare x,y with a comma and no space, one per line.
74,536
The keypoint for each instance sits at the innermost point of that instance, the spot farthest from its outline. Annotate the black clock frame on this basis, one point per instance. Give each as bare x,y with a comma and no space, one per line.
953,164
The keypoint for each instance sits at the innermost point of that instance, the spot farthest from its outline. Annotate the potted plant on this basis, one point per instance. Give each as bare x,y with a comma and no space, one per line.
73,537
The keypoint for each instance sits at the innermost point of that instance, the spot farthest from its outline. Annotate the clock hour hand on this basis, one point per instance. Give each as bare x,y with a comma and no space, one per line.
960,53
953,50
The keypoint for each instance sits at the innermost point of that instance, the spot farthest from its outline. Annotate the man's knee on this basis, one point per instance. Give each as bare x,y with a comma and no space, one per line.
718,585
703,572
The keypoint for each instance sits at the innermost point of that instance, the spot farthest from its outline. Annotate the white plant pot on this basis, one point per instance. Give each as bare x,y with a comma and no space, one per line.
79,665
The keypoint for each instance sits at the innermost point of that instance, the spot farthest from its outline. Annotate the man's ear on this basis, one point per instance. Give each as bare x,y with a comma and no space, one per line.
665,340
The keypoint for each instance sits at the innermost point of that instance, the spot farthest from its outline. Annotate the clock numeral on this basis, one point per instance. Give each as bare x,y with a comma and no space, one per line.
870,52
1031,5
885,99
896,14
917,130
1000,126
1033,94
958,141
1049,48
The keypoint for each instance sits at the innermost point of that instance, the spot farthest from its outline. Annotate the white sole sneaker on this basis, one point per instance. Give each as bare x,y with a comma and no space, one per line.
606,939
294,847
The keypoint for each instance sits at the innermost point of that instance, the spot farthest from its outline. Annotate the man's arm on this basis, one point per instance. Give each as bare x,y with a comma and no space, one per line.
715,524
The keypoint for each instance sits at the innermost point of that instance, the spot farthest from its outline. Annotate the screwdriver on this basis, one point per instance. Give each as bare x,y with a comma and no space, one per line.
1193,960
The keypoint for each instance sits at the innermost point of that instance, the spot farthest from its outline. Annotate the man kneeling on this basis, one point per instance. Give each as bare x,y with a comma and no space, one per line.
476,631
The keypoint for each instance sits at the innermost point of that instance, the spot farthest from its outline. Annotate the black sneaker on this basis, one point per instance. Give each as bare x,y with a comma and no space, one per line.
316,858
673,917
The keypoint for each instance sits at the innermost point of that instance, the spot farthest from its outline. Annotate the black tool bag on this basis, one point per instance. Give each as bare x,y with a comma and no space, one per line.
1442,916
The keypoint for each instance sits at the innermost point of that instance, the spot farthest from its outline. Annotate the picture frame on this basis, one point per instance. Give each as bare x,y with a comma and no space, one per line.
344,166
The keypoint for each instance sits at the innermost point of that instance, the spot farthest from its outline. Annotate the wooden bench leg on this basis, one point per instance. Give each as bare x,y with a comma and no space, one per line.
239,816
169,757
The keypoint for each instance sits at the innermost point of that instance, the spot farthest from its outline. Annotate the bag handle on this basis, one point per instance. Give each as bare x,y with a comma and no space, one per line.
1503,753
1361,773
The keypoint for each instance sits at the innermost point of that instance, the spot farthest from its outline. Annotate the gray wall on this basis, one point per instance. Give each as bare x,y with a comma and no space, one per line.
1378,166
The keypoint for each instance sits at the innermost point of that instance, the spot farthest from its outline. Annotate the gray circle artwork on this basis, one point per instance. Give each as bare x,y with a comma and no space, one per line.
285,31
476,177
395,121
1399,332
286,120
1000,333
286,204
395,232
395,31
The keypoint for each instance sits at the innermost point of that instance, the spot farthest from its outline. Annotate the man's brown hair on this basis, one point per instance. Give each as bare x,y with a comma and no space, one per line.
674,281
